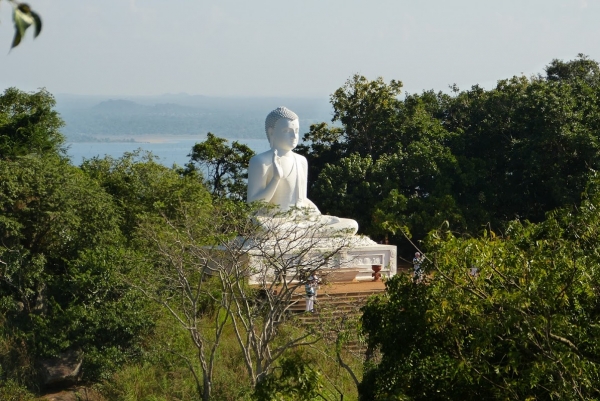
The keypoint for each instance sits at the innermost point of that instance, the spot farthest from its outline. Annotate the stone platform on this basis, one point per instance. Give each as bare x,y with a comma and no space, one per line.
362,258
338,259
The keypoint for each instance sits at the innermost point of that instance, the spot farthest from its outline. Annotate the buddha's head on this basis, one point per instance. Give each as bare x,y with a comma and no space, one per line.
282,129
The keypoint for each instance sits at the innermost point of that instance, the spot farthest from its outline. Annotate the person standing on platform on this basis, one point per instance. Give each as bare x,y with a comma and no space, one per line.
311,290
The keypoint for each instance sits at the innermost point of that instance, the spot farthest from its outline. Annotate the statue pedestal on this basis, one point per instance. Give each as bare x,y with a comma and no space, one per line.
354,258
362,257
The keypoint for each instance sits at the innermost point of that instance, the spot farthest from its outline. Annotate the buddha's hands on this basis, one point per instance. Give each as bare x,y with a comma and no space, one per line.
277,169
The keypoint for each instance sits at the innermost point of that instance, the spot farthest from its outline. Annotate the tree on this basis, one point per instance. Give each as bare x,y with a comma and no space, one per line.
293,380
59,258
28,124
203,260
388,152
582,68
280,254
523,325
225,167
527,146
139,185
178,281
472,157
349,188
368,111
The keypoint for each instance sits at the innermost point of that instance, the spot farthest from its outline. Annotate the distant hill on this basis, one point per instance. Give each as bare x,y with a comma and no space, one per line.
179,114
119,106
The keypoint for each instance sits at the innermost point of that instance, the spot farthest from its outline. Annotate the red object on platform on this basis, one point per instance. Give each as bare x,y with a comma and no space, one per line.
376,269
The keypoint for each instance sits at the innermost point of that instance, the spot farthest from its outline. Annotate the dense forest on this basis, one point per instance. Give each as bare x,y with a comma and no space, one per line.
105,262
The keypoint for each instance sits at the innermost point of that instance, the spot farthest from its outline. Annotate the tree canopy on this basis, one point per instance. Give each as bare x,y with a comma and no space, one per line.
29,124
61,253
512,317
471,157
224,167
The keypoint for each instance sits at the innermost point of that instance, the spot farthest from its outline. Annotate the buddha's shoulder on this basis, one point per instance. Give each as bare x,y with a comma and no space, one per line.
264,157
300,158
267,157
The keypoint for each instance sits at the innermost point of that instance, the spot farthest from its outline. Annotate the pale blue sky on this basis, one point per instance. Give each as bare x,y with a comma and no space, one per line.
289,48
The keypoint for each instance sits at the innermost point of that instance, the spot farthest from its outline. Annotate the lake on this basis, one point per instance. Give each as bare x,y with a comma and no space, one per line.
170,150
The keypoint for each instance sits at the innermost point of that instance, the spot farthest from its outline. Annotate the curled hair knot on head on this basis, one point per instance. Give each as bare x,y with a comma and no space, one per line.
276,115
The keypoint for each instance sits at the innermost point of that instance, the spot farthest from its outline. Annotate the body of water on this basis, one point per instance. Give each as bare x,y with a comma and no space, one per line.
170,150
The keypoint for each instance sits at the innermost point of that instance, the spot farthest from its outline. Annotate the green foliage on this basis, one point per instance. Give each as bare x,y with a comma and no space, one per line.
368,110
293,379
581,68
16,367
525,325
139,186
519,150
225,167
163,373
12,391
388,153
28,124
152,380
527,146
347,186
60,256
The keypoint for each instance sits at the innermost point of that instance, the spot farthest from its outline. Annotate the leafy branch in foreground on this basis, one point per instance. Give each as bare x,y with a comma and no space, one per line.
24,17
500,317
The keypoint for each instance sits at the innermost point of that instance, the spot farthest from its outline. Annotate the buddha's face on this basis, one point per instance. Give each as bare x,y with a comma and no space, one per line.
284,136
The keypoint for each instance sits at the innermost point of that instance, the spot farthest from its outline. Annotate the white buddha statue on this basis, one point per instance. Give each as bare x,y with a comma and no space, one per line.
279,177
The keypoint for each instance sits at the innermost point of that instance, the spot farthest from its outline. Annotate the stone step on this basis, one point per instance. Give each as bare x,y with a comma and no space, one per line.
333,301
350,294
325,311
341,299
321,324
325,298
333,304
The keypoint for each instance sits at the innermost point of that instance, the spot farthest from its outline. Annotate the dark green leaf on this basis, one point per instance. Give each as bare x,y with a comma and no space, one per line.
22,19
17,39
37,23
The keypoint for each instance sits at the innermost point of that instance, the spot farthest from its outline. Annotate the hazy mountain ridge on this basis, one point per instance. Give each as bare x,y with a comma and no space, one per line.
122,106
180,114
